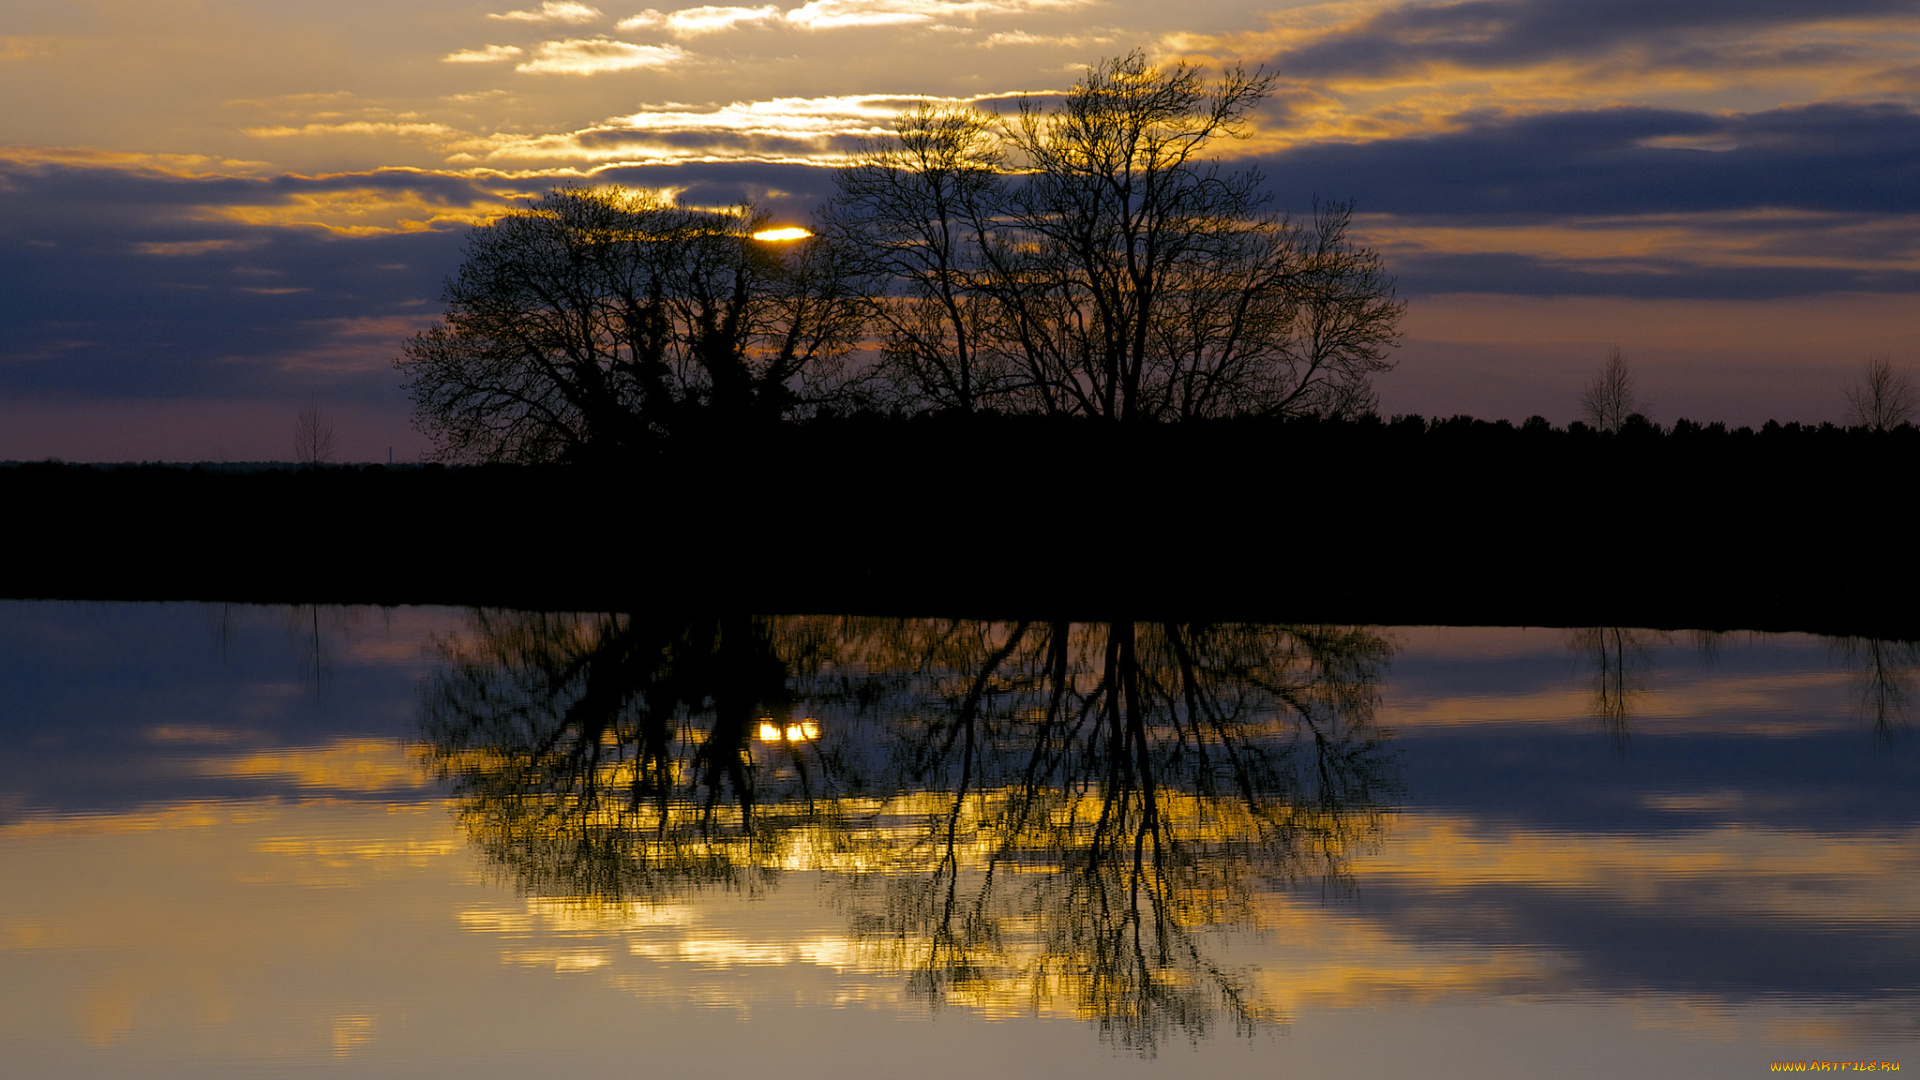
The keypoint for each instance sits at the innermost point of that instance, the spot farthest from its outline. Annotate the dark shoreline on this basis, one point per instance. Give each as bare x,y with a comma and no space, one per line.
1459,522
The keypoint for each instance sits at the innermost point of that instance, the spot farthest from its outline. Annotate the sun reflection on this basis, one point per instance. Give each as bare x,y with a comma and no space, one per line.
804,731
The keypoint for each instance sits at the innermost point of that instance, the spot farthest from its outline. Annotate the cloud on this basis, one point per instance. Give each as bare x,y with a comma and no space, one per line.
592,56
1635,202
1515,274
834,14
561,11
1410,40
839,14
794,129
1055,41
219,284
1843,158
27,48
353,127
691,22
175,248
492,54
367,210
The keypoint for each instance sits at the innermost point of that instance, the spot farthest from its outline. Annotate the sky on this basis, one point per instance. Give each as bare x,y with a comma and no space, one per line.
217,213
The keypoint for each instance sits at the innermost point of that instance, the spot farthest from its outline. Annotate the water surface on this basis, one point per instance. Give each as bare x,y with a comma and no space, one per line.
332,841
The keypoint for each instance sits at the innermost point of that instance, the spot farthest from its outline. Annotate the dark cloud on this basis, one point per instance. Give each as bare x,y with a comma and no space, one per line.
1494,34
99,315
1829,158
41,192
1840,184
121,283
715,141
1426,274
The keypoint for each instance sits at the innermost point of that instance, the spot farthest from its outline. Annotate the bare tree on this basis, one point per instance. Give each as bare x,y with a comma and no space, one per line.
1883,398
1143,281
913,210
1089,259
312,437
1610,398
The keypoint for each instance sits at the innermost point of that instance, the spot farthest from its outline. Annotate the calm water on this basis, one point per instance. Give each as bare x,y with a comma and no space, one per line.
244,841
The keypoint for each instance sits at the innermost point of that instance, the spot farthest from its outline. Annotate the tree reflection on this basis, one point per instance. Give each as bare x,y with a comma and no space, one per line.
1012,814
1621,659
1883,672
572,746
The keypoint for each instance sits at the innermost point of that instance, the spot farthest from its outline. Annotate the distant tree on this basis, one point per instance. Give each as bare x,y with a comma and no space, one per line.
1610,399
1089,259
312,437
595,320
1883,398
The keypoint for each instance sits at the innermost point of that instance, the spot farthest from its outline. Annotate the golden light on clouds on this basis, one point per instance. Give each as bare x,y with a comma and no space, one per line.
835,14
366,211
355,127
492,54
692,22
592,56
796,129
561,11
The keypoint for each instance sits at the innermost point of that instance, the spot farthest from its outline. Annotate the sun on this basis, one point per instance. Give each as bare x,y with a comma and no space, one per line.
789,233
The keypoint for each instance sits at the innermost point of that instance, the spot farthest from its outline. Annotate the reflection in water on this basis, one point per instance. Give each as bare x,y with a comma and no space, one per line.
1012,814
1621,659
1883,670
315,630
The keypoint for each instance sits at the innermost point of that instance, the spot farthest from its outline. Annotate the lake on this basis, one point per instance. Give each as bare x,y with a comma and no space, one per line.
413,841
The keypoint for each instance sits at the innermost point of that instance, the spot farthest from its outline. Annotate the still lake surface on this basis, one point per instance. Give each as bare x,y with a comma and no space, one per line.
318,841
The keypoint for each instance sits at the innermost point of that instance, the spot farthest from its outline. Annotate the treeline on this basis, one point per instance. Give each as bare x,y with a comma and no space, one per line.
1366,520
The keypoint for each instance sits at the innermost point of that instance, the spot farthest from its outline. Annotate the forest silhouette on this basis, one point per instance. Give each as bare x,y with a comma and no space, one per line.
1363,520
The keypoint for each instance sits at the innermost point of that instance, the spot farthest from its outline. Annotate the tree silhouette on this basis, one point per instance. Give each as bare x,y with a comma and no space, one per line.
912,210
592,322
1883,398
1610,398
1089,259
312,437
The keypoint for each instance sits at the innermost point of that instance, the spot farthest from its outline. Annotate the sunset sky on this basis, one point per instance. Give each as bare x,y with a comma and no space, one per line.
217,212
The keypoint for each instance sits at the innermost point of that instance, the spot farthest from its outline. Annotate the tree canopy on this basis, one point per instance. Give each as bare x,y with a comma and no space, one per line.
594,321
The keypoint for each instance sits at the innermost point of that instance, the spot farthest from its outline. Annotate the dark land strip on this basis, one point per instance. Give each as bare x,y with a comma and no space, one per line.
1457,522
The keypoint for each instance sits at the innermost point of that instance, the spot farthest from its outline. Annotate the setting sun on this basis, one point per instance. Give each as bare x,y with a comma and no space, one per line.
790,233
